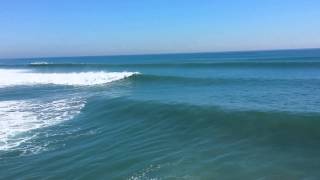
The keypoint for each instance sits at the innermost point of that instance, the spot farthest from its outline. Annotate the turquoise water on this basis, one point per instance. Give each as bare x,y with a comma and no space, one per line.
237,115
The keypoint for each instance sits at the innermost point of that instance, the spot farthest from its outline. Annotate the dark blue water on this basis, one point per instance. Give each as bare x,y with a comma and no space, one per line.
235,115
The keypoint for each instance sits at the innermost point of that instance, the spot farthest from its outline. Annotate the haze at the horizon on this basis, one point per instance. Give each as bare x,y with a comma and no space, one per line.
77,28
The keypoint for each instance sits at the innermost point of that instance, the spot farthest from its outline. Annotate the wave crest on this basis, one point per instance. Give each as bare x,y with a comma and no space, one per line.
24,77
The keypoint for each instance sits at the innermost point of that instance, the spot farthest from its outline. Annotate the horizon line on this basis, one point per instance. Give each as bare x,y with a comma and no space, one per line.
164,53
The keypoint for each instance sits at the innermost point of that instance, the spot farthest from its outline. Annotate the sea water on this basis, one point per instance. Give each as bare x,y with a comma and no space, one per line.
233,115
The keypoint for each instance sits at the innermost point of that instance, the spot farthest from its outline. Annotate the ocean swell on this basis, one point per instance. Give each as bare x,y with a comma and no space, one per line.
275,126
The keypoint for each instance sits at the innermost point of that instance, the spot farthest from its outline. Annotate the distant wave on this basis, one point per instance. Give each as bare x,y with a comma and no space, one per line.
39,63
257,64
24,77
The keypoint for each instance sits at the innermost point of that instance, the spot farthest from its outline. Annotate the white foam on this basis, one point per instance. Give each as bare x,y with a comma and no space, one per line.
25,77
20,117
39,63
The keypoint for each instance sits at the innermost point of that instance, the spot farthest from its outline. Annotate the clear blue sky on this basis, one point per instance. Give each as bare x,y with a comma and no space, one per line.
32,28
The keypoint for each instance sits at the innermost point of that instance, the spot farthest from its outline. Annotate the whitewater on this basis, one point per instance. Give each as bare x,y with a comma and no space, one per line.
17,117
25,77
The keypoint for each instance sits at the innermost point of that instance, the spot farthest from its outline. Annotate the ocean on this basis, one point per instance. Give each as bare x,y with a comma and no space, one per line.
231,115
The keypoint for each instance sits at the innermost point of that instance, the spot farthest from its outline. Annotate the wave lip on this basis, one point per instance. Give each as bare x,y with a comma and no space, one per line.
24,77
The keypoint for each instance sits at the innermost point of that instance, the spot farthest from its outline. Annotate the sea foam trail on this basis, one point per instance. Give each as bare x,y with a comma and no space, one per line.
24,77
18,117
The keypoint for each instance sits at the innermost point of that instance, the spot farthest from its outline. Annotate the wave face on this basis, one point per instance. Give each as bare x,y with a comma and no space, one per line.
250,115
24,77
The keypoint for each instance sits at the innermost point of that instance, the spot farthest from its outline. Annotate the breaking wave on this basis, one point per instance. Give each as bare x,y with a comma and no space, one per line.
14,77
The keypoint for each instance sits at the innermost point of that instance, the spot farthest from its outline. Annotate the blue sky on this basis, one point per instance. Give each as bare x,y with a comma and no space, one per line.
36,28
